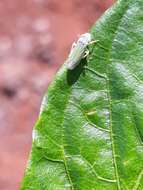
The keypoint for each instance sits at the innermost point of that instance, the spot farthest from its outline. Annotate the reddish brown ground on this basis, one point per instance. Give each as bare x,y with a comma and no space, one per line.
35,37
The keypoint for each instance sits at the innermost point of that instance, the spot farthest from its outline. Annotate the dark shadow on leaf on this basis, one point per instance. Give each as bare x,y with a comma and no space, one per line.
73,75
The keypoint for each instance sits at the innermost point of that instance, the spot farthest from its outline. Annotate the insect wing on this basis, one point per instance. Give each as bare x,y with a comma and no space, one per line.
75,56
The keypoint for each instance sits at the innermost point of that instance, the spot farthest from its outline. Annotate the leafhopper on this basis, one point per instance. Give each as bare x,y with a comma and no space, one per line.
79,50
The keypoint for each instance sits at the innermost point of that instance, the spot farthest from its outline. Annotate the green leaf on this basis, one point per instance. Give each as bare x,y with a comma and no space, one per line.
89,135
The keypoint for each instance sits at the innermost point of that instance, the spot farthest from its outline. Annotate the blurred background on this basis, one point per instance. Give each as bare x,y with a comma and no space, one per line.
35,39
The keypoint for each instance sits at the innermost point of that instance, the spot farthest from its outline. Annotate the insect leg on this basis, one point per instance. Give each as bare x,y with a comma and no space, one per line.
86,53
93,42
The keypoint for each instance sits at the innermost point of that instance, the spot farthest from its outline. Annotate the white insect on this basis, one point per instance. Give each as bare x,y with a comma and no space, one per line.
79,50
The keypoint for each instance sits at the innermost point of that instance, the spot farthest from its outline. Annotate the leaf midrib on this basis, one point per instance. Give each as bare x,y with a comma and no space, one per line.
110,100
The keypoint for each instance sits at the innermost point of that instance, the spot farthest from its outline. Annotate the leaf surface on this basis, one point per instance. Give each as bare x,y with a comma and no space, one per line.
89,135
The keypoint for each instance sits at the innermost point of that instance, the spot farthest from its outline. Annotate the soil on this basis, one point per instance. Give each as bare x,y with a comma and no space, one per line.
35,39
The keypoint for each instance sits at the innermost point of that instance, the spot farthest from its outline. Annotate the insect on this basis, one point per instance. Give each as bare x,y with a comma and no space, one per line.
79,50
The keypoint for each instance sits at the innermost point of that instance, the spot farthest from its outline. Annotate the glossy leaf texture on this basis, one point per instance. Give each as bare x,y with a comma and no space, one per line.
89,135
